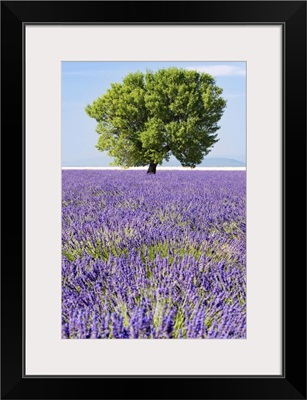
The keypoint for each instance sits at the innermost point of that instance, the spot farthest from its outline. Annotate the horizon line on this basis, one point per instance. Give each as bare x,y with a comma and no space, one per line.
162,168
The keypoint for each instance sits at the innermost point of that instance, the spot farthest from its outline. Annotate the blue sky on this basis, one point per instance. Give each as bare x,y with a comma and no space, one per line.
83,82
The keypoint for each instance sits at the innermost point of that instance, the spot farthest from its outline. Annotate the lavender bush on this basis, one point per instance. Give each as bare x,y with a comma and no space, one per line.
158,256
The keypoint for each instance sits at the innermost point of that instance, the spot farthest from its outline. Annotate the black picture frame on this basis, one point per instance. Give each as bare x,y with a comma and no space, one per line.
14,16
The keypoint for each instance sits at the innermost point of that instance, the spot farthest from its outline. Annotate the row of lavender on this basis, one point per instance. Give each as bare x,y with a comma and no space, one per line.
153,256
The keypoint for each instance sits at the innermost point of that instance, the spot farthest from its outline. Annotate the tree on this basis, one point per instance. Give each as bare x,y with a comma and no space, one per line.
151,115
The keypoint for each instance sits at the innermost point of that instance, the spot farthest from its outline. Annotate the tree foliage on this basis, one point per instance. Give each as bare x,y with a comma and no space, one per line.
151,115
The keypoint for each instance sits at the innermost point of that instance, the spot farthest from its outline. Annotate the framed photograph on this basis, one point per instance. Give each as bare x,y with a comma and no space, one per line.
161,185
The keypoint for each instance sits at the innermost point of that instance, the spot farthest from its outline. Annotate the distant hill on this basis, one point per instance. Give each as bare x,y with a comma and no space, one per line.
210,162
105,162
221,162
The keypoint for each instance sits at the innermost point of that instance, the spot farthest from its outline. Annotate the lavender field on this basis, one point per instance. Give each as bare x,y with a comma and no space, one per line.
153,256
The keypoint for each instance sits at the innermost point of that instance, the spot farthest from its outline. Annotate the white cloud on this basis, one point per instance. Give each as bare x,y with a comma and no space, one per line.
220,70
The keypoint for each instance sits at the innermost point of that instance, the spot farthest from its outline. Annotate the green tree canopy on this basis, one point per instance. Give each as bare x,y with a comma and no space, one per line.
151,115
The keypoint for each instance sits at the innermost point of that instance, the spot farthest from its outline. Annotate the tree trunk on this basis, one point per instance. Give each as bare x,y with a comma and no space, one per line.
152,168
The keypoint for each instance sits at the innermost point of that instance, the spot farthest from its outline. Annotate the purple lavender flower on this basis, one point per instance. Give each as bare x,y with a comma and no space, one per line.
163,257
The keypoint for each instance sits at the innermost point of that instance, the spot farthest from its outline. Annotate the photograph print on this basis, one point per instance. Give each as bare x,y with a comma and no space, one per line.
154,200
